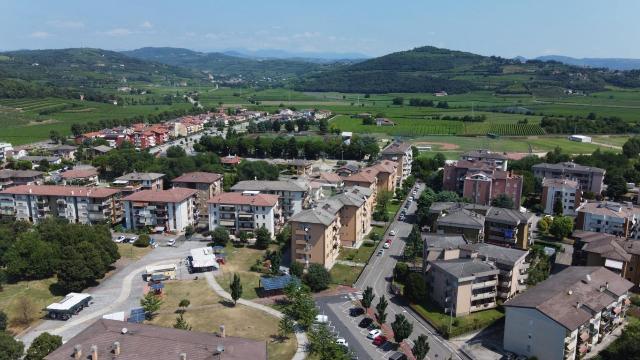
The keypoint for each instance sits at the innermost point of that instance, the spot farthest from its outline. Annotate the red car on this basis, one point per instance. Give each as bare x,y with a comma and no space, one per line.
389,241
380,340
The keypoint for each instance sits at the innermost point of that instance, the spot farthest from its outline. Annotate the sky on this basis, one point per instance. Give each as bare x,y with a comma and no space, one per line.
508,28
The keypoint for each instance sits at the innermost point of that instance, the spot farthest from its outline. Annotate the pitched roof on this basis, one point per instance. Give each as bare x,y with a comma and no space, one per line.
198,177
79,173
507,216
396,148
462,218
569,297
496,253
60,190
463,269
9,173
330,177
314,216
173,195
359,190
438,241
142,341
361,177
238,198
103,148
230,159
607,247
268,185
137,176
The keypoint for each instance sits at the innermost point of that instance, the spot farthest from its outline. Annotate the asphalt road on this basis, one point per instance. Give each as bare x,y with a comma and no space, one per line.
378,274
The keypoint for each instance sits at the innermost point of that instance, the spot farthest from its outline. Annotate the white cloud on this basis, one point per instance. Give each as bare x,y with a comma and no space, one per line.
118,32
40,34
147,24
66,24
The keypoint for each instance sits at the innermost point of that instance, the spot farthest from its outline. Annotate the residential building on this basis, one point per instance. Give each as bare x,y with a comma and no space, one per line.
160,210
481,181
245,211
112,339
463,286
500,160
508,228
362,179
136,181
608,217
460,221
385,172
230,160
80,176
207,184
85,205
6,151
315,236
401,153
36,160
355,206
293,195
443,207
9,178
566,315
590,178
566,191
66,152
347,170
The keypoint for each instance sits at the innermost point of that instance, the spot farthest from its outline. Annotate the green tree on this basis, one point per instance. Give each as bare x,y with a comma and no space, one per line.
42,346
367,298
323,126
142,241
285,326
561,227
415,248
236,288
402,328
421,347
183,305
616,186
300,304
401,272
317,277
296,269
181,323
544,223
381,310
322,343
415,288
151,304
263,238
557,207
31,258
631,148
220,236
10,348
397,100
539,268
503,201
627,346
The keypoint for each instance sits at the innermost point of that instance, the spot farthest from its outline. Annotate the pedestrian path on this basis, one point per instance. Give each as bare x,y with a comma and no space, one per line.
301,336
350,263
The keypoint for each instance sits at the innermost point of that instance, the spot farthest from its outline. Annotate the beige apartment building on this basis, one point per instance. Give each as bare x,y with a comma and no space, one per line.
84,205
207,184
315,236
463,286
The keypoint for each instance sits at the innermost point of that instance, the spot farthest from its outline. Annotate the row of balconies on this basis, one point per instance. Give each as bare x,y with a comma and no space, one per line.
485,284
481,296
482,306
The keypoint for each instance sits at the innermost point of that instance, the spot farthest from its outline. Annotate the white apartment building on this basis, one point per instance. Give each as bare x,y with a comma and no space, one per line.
136,181
567,191
84,205
608,217
6,150
160,210
401,153
245,211
293,195
563,317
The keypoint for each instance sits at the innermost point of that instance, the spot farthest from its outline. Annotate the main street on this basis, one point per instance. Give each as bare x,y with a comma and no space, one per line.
379,272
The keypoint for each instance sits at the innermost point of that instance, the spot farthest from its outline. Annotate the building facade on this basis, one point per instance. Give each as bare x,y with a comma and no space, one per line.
293,195
608,217
565,191
9,178
136,181
589,178
244,212
315,237
160,210
207,184
401,153
508,228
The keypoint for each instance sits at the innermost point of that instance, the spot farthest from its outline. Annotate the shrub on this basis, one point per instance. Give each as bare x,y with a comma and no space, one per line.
142,241
317,277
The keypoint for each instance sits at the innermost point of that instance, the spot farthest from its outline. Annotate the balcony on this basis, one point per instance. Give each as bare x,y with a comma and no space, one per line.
484,284
503,294
303,250
486,306
505,283
487,295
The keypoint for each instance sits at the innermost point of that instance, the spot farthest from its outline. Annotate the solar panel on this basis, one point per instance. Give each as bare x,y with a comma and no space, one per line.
277,283
137,316
157,286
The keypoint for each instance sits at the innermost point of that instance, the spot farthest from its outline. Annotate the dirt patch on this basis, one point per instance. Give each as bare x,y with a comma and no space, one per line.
80,110
441,145
43,122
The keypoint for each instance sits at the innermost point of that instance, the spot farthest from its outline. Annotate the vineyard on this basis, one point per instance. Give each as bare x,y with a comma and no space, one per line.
516,129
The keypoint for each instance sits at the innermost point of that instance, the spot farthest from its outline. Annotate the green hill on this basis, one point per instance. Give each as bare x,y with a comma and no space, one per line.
430,69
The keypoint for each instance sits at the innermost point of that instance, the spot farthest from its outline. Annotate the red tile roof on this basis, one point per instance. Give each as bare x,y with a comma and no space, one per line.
230,159
58,190
238,198
79,173
198,177
361,177
174,195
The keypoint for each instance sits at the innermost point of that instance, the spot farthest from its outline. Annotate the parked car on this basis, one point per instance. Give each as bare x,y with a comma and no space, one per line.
321,319
389,241
374,333
153,243
364,323
342,341
356,311
385,245
392,233
131,239
120,239
171,242
379,340
380,252
398,356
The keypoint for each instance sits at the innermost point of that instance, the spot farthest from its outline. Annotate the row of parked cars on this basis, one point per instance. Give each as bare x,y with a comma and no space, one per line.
375,334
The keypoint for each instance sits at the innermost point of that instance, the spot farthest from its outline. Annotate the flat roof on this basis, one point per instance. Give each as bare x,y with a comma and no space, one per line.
203,257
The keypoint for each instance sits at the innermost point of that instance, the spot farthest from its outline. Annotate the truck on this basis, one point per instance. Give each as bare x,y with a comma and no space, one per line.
71,305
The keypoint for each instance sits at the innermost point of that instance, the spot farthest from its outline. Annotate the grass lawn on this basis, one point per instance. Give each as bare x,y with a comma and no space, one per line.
376,231
459,325
239,260
361,254
393,208
207,312
128,251
344,275
15,295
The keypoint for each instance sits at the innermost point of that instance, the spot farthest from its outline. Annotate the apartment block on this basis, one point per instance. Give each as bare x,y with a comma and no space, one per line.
293,195
565,316
508,228
84,205
315,236
401,153
463,286
460,221
136,181
589,178
499,160
244,212
566,191
207,184
9,178
608,217
160,210
355,208
82,176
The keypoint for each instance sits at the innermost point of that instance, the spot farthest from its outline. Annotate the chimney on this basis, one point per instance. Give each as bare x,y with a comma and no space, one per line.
183,356
116,348
222,332
77,352
94,352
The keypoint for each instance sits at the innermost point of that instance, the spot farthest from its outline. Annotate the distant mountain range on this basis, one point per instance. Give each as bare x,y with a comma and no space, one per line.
607,63
319,57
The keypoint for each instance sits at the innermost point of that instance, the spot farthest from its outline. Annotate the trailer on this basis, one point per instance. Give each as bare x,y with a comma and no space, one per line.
71,305
160,272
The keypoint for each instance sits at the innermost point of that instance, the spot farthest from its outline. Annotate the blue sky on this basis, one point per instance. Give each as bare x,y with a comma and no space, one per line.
585,28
